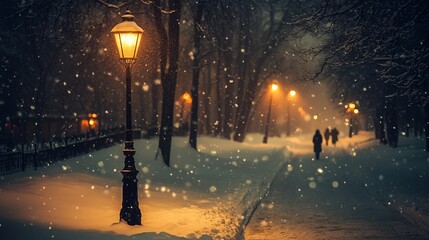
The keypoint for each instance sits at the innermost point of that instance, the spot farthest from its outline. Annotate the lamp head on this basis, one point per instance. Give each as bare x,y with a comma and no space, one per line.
128,36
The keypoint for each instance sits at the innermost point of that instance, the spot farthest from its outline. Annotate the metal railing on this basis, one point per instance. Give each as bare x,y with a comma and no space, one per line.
12,162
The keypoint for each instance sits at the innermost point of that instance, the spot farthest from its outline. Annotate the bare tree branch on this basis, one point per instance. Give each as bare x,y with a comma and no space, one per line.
110,5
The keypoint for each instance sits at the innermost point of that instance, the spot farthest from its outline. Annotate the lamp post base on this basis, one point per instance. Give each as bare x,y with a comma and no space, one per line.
131,215
130,211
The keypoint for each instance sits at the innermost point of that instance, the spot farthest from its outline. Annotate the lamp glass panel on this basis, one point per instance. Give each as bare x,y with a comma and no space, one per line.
128,44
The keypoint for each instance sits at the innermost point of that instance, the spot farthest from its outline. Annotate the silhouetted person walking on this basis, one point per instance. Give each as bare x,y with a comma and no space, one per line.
334,134
327,134
317,141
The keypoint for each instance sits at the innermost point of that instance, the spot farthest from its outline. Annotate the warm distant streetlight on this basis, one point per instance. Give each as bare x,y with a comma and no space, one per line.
292,94
128,36
350,110
92,122
186,98
274,87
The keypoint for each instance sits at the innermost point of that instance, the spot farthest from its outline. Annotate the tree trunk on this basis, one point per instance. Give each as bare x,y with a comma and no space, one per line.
217,128
242,67
168,76
419,120
392,121
427,126
195,76
153,127
245,110
228,109
415,120
392,126
376,123
206,102
380,123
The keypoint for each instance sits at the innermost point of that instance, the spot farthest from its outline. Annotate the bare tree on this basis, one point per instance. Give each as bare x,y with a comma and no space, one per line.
168,69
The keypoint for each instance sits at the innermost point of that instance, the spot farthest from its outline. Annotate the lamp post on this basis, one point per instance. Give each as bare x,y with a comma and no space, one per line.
350,109
273,87
128,35
355,121
291,94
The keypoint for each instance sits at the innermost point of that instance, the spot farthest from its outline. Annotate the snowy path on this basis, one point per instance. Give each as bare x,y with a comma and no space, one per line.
326,199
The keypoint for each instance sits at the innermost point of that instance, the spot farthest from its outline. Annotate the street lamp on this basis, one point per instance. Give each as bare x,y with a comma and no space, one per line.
355,119
273,87
292,94
128,35
351,110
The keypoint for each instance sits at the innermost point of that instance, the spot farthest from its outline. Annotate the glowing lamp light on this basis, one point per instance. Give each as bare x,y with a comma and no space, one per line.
274,87
292,93
352,105
128,36
186,97
356,111
91,122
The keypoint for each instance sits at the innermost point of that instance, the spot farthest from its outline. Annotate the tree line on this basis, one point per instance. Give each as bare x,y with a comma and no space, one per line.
59,57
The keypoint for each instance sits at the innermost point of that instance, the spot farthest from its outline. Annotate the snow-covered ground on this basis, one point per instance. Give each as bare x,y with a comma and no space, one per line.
210,194
358,191
206,194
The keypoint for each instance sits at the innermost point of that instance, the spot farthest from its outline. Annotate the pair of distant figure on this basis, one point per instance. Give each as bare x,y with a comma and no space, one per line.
318,139
328,133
